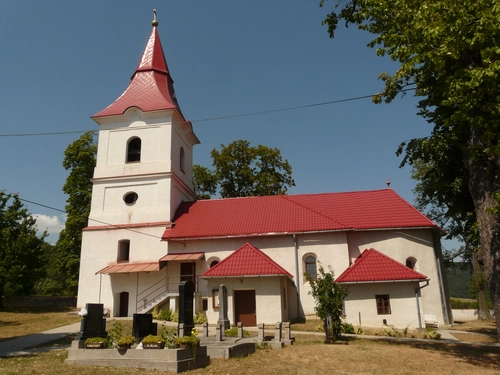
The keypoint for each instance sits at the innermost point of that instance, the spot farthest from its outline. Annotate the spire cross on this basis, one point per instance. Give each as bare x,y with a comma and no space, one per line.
155,22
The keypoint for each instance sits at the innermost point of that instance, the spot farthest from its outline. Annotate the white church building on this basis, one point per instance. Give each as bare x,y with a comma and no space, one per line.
147,233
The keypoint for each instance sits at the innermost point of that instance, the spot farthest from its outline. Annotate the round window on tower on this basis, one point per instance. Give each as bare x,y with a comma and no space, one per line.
130,198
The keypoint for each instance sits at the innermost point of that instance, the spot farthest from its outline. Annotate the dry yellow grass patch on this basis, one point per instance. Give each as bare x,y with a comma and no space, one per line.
22,322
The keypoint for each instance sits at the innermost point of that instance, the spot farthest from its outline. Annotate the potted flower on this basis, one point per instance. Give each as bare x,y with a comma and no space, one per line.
96,343
153,342
187,342
125,342
192,341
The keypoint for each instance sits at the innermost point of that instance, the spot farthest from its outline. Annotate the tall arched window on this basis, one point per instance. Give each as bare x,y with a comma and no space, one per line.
311,266
134,150
181,158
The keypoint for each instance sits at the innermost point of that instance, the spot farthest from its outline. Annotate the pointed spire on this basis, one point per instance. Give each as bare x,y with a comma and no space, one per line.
151,87
155,22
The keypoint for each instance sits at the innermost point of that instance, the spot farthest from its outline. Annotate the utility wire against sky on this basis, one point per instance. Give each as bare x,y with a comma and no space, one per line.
221,117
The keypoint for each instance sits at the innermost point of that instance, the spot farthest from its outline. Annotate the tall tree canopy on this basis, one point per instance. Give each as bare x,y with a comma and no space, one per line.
80,160
242,170
442,192
21,248
449,52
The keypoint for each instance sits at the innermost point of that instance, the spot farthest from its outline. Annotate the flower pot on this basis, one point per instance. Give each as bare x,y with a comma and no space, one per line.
124,347
99,345
158,345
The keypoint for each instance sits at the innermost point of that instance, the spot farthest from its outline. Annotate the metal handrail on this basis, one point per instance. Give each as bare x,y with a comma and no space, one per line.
160,287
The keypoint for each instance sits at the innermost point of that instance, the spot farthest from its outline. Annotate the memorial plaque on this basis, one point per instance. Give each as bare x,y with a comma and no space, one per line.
93,324
186,311
142,325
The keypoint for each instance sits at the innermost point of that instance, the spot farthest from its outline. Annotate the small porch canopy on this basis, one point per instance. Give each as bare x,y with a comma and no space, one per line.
130,267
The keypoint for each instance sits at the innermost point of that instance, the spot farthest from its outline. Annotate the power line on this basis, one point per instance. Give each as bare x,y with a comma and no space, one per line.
222,117
97,221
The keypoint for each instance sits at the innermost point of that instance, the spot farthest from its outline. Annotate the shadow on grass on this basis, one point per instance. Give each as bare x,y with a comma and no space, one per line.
474,354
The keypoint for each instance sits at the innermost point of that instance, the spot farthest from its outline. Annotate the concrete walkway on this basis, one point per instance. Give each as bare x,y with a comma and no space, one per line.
24,345
31,344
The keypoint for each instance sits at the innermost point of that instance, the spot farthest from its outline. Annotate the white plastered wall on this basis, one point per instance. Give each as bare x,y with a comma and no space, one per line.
268,297
361,307
101,249
403,244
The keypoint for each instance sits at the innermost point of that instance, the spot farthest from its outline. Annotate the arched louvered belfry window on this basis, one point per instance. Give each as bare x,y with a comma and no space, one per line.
134,150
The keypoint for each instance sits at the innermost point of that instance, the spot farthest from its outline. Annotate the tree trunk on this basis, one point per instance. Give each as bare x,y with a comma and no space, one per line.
484,181
484,310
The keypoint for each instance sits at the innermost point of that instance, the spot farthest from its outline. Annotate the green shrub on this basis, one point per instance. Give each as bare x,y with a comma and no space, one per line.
459,304
98,340
165,315
126,340
359,330
233,332
115,333
431,333
347,328
200,318
151,339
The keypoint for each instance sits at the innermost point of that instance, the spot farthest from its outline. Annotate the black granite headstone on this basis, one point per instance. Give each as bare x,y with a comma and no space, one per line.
186,311
142,325
93,324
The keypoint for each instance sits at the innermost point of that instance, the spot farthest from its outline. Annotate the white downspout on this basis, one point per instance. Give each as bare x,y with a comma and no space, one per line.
297,281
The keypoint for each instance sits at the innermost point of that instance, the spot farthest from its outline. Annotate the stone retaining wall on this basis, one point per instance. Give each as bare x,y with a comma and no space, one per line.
39,301
462,315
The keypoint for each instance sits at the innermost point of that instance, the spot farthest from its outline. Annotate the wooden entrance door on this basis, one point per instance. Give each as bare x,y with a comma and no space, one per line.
123,304
188,272
244,307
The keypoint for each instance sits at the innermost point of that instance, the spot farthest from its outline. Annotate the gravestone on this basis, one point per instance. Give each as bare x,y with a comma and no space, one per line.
330,338
93,324
142,325
223,308
186,311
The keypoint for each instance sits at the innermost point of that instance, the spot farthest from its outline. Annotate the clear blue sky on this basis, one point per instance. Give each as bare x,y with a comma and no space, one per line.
63,61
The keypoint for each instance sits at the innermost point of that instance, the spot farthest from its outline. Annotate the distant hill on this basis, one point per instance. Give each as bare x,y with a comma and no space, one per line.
458,281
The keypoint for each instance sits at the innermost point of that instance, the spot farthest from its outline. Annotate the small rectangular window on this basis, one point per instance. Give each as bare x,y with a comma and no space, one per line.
124,251
383,304
215,298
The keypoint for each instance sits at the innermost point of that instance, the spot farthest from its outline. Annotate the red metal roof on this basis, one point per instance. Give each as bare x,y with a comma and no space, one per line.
246,261
130,267
182,256
281,214
151,87
372,266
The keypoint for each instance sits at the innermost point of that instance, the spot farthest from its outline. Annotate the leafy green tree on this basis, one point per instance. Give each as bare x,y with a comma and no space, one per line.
449,53
80,159
242,170
204,182
21,248
442,192
329,298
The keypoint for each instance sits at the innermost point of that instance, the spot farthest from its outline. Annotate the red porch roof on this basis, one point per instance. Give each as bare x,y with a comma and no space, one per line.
372,266
247,261
130,267
282,214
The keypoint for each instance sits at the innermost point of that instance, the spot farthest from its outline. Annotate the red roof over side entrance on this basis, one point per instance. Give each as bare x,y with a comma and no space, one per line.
247,261
372,266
